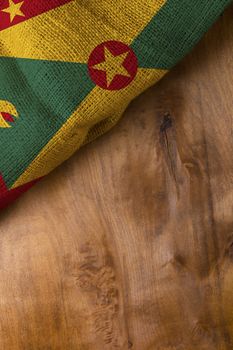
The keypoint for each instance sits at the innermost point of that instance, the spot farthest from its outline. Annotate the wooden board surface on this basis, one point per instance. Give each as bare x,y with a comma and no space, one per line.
129,245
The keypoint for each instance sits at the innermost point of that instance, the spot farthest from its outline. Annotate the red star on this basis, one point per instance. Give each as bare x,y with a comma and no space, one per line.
8,196
13,12
112,65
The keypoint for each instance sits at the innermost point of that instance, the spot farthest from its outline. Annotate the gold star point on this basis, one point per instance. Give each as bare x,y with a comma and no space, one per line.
14,10
112,65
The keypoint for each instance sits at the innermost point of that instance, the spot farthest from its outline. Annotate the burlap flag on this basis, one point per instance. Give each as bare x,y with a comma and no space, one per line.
68,70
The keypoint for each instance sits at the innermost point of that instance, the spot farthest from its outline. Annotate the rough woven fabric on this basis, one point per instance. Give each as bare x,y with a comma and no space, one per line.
68,70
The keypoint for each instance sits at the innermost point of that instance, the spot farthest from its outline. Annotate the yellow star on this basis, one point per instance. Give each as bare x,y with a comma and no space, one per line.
113,65
14,10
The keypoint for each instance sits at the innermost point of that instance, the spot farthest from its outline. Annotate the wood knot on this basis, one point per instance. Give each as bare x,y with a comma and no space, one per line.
130,344
166,123
85,281
230,251
201,331
178,262
97,279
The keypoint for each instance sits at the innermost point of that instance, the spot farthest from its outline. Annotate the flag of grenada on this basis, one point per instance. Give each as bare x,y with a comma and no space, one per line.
69,68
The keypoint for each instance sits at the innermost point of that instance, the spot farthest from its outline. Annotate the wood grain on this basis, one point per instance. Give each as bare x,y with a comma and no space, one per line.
129,245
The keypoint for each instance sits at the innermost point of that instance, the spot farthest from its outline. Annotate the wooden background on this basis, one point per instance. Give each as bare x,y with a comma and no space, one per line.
129,245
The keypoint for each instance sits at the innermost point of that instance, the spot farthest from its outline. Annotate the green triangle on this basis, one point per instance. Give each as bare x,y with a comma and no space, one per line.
45,93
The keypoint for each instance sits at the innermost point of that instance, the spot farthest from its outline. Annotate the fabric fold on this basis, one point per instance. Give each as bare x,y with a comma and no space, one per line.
69,69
